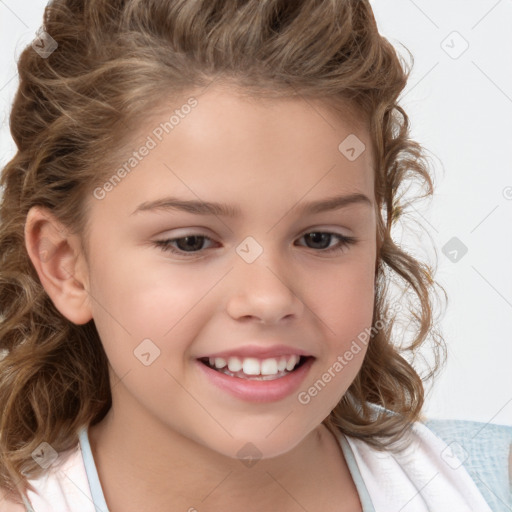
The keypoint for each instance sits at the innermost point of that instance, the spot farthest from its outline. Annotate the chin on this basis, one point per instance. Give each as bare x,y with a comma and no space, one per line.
258,445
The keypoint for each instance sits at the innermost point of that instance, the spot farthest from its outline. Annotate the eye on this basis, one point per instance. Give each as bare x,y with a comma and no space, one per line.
191,244
320,237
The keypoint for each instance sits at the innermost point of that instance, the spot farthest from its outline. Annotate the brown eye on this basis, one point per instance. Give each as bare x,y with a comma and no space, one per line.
185,244
323,238
193,244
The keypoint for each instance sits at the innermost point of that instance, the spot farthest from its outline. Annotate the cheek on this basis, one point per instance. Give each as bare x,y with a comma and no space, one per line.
344,304
345,296
134,301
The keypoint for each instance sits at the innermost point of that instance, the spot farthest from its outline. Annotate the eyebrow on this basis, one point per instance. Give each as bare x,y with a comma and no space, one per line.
226,210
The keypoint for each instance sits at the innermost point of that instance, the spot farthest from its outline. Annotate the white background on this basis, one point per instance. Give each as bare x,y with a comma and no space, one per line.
460,107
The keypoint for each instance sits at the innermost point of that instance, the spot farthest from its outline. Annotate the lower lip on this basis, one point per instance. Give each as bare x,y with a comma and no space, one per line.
258,390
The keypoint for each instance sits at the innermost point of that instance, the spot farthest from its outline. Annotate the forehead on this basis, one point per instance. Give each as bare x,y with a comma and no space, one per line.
229,147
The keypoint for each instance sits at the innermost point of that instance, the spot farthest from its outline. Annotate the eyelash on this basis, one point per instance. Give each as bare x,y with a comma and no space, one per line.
165,245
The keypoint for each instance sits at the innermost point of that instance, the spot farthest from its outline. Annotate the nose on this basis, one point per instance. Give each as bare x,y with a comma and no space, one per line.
264,291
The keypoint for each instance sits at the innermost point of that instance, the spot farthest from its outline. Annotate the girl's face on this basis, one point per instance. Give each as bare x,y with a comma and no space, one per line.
247,289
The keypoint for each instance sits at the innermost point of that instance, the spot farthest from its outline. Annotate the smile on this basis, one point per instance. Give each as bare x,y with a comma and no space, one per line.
256,380
252,368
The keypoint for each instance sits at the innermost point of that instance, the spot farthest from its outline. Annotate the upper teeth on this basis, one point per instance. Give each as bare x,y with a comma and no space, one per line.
253,366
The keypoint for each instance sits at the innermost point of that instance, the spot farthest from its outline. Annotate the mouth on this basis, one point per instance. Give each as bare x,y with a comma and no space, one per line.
251,368
258,380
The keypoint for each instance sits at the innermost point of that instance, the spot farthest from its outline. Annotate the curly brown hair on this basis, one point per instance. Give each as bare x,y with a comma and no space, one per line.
73,116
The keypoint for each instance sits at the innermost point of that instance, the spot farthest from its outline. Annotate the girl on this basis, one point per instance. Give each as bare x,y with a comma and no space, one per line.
256,369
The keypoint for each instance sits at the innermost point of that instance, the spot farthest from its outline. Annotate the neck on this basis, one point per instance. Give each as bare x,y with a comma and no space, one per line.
144,465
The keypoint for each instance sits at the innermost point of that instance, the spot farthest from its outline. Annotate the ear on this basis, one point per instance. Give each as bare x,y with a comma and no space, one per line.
60,264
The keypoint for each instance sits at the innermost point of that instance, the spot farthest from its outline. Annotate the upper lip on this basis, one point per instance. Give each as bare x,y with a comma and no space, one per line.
258,352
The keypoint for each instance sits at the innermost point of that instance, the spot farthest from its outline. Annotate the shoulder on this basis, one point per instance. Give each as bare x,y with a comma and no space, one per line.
477,444
9,503
428,458
484,449
63,482
473,436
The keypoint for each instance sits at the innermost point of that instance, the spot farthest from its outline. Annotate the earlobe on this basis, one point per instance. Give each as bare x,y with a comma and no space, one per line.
59,263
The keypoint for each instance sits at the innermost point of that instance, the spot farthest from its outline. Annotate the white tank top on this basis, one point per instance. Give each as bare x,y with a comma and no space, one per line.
417,480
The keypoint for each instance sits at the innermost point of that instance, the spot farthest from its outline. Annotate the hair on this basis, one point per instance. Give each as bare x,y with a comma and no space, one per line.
74,116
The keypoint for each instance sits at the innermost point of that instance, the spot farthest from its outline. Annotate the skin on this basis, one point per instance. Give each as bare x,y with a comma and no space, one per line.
171,437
